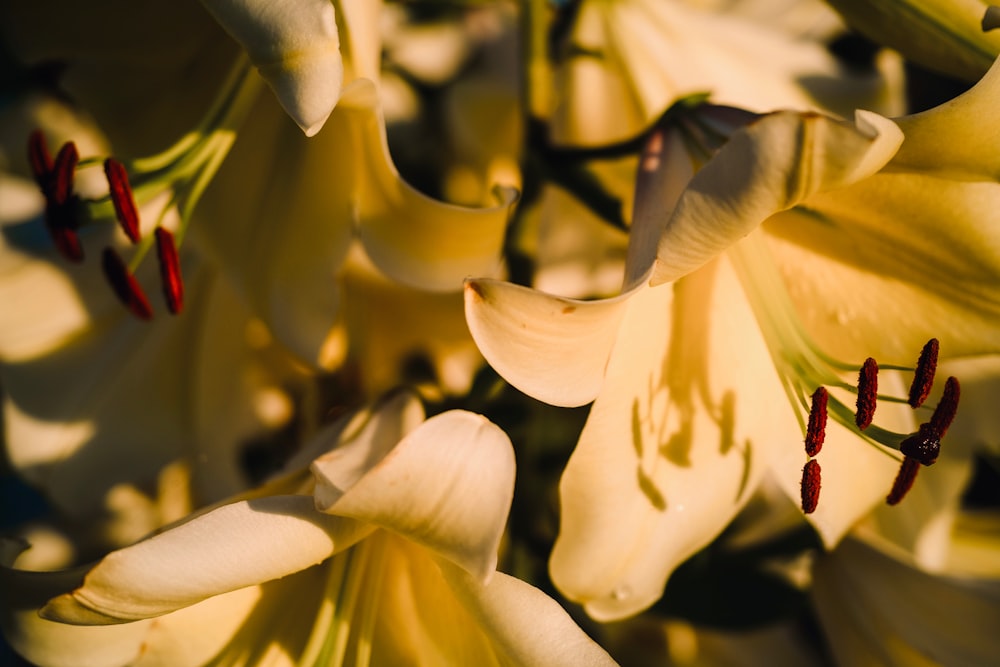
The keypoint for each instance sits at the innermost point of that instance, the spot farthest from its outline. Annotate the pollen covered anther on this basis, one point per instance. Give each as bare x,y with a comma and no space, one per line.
867,394
63,170
923,377
810,486
904,480
944,413
122,198
816,429
170,270
924,446
126,287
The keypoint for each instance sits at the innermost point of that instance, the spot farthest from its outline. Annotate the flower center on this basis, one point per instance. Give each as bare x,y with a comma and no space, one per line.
806,373
170,183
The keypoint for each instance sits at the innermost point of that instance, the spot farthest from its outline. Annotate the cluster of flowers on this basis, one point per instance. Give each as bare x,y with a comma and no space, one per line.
689,215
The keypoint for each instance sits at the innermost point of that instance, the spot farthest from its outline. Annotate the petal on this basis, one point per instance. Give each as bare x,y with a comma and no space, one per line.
447,486
552,348
409,236
674,445
234,546
884,246
771,165
877,610
525,626
296,47
956,139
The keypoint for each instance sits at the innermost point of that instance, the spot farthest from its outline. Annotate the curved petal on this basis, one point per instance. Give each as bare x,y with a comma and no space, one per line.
877,610
409,236
234,546
295,46
771,165
956,139
682,431
552,348
447,486
525,625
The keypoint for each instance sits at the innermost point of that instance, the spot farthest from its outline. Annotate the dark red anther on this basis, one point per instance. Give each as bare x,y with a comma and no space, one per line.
40,159
60,220
170,270
944,413
810,486
122,198
923,377
904,480
923,446
62,173
816,430
867,394
126,287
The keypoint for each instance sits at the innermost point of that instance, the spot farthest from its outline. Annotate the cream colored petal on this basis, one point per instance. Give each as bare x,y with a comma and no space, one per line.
525,626
234,546
955,139
685,426
552,348
910,251
49,644
447,485
295,46
875,610
411,237
771,165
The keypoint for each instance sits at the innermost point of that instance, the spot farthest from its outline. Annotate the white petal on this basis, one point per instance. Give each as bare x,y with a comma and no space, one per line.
411,237
771,165
447,485
296,47
675,444
552,348
234,546
526,626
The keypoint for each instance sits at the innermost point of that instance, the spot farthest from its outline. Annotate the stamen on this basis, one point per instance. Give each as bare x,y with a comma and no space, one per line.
945,411
62,173
923,446
867,394
923,378
60,221
810,486
904,480
816,430
126,287
40,159
170,270
122,198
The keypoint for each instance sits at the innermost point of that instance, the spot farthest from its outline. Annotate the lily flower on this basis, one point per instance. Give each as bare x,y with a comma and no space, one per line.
805,246
621,64
385,554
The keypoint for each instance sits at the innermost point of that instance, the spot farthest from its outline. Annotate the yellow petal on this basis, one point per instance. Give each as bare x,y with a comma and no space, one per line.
771,165
447,485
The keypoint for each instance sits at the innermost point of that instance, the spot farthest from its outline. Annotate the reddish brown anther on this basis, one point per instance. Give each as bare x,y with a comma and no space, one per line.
924,446
816,429
904,480
60,221
63,171
923,377
122,198
867,394
810,486
170,270
40,159
944,413
126,287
